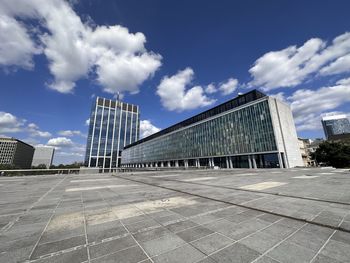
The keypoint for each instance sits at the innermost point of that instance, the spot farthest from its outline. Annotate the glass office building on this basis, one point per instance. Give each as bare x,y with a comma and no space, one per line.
335,125
113,125
250,131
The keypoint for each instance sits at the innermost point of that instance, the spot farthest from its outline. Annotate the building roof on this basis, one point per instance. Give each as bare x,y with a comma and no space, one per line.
241,99
116,103
334,117
14,140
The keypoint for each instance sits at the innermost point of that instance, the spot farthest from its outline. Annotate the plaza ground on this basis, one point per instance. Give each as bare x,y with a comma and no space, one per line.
240,215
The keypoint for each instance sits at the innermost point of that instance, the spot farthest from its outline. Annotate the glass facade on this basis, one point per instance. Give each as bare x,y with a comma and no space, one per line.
335,125
237,132
113,125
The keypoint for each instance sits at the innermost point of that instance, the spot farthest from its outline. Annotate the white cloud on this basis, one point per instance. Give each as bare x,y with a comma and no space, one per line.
341,65
292,65
309,106
16,48
174,96
210,89
70,133
60,142
10,123
280,96
87,122
228,87
147,128
344,81
118,58
34,131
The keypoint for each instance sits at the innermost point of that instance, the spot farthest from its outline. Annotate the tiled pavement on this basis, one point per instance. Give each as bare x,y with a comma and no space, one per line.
295,215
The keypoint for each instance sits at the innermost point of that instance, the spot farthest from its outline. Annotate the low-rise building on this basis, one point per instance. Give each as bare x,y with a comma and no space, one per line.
16,153
43,155
304,146
250,131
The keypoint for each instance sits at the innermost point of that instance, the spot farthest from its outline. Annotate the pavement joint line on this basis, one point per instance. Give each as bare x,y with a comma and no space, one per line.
126,228
11,223
240,205
189,243
57,253
85,232
236,241
257,191
323,246
279,243
329,238
44,243
117,251
48,222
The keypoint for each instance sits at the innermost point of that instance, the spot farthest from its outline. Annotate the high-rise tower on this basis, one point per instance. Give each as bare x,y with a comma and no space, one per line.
113,125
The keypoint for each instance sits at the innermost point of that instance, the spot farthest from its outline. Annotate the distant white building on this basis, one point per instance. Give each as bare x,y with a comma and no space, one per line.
43,155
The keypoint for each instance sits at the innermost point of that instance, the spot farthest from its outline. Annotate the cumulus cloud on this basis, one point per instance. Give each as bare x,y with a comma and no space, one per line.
147,128
175,96
16,46
210,89
10,123
344,81
71,133
309,106
228,87
60,142
36,132
75,49
87,122
293,65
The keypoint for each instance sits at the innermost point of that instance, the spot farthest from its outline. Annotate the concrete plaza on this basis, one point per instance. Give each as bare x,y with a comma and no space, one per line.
240,215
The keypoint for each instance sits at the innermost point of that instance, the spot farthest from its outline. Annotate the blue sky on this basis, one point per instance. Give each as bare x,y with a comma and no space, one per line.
173,58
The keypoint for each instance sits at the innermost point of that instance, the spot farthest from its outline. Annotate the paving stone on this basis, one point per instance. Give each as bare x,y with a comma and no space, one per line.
182,225
323,259
166,220
290,253
235,253
16,254
266,259
222,226
260,242
269,218
160,245
51,236
133,228
278,230
129,255
206,260
194,233
183,254
203,219
151,234
104,234
79,255
17,242
48,248
341,237
337,250
211,243
246,228
111,246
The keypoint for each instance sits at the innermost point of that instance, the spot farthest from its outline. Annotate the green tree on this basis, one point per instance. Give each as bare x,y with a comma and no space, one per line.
335,154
